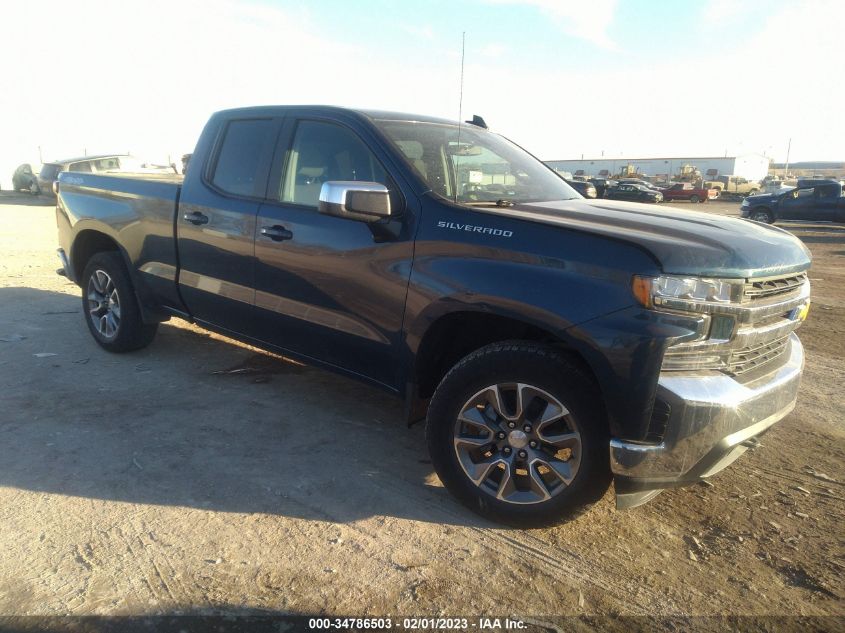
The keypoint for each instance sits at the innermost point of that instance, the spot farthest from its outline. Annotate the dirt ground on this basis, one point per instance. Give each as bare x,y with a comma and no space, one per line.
153,483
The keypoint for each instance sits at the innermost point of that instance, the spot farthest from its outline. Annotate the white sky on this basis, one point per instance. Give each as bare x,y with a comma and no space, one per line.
144,76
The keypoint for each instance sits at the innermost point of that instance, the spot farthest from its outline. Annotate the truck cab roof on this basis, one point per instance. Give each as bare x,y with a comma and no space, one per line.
278,110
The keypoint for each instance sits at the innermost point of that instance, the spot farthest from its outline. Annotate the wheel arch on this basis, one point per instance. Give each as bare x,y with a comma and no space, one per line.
455,334
90,241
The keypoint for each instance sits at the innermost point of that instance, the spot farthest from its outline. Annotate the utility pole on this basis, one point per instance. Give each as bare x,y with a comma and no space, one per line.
786,166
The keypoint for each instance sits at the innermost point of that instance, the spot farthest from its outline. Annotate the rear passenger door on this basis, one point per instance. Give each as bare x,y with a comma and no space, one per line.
825,199
329,288
215,224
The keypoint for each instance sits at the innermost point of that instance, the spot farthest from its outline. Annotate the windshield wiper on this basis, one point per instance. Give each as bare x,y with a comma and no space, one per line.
503,202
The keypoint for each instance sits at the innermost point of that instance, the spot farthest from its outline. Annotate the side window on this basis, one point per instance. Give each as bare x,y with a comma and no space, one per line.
241,156
827,191
105,164
84,166
322,152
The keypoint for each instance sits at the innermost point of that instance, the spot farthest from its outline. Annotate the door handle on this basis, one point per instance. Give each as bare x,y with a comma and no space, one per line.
196,218
276,233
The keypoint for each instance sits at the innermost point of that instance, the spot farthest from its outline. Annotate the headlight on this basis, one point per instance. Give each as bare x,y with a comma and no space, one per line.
697,294
745,203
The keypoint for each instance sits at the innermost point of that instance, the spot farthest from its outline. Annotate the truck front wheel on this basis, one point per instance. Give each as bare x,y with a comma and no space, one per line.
517,433
110,307
764,216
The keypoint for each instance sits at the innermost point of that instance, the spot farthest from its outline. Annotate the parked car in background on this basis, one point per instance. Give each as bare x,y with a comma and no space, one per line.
585,188
637,181
84,164
96,165
635,193
734,184
602,185
774,186
25,180
817,200
688,191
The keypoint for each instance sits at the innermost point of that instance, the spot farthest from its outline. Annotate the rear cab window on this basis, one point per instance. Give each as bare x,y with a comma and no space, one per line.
82,166
106,164
242,156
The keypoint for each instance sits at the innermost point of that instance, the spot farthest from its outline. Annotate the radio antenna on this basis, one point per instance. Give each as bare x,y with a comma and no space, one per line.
460,115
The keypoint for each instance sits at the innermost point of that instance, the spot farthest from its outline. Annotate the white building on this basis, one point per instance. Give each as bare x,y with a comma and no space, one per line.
750,166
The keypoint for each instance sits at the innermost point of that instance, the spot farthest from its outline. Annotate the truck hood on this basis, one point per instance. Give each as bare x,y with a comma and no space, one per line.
683,242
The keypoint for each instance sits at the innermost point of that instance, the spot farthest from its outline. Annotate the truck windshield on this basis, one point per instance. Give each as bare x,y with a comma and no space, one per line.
480,168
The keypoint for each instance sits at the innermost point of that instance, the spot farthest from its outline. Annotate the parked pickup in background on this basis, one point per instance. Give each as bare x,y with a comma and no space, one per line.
818,200
550,342
585,188
688,191
734,185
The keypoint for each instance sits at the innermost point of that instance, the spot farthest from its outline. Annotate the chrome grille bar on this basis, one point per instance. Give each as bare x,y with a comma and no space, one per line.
756,289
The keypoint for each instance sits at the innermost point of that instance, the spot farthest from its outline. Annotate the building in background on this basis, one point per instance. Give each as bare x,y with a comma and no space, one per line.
750,166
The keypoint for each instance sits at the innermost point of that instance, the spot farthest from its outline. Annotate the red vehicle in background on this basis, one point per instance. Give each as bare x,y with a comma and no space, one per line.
688,191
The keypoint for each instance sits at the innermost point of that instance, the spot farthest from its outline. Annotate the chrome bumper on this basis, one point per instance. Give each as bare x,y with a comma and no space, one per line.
713,420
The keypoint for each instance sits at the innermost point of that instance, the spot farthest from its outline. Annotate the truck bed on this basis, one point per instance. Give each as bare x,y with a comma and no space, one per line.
138,210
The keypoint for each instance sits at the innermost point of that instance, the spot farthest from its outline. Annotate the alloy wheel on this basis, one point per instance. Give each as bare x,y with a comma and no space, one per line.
517,443
103,304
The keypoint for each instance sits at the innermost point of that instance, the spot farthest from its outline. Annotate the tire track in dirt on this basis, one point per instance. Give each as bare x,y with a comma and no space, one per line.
520,548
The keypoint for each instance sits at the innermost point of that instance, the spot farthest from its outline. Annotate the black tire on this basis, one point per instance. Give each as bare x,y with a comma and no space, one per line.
694,198
541,367
762,215
130,333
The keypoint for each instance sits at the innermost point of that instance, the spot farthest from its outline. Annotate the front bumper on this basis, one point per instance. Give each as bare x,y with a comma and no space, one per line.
713,419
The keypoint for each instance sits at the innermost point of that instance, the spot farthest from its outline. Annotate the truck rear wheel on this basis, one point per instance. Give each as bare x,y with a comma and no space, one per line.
518,434
694,198
110,307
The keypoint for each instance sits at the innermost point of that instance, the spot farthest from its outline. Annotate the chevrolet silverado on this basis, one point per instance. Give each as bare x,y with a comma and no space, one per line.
551,344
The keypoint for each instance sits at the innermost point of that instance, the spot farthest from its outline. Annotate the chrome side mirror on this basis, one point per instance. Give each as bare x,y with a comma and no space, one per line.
354,200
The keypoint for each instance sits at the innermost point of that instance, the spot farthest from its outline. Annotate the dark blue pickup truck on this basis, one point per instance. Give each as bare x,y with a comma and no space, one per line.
814,200
552,344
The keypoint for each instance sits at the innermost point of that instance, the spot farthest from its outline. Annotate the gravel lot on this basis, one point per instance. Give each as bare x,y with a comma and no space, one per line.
153,483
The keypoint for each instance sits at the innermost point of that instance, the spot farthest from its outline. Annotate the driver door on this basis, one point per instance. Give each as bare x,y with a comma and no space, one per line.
795,205
328,288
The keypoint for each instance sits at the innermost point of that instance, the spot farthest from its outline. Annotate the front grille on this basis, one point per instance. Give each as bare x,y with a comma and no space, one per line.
744,360
765,288
752,333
